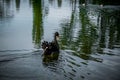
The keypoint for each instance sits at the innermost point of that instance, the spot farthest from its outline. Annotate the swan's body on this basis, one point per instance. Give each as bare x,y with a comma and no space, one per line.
51,47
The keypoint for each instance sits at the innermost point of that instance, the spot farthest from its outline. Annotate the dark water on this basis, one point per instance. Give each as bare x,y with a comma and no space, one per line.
89,39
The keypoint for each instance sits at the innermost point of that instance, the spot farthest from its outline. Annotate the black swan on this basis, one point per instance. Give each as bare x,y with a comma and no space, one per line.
51,47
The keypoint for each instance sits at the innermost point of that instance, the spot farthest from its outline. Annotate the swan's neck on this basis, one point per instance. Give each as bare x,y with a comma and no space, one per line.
56,42
56,38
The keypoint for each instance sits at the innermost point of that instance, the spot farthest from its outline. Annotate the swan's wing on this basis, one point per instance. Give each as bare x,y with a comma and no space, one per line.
44,44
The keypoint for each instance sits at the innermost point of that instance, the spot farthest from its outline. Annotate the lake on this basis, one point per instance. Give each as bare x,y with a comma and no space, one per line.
89,39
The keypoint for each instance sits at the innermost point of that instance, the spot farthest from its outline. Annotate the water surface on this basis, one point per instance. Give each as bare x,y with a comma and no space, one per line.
89,39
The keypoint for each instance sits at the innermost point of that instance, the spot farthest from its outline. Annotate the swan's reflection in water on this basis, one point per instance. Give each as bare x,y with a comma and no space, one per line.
51,62
50,58
60,65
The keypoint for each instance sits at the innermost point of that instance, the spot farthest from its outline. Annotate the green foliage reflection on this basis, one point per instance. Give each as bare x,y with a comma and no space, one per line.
91,37
86,35
37,22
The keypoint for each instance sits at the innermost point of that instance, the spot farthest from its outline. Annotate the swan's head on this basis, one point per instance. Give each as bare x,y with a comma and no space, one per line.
57,35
